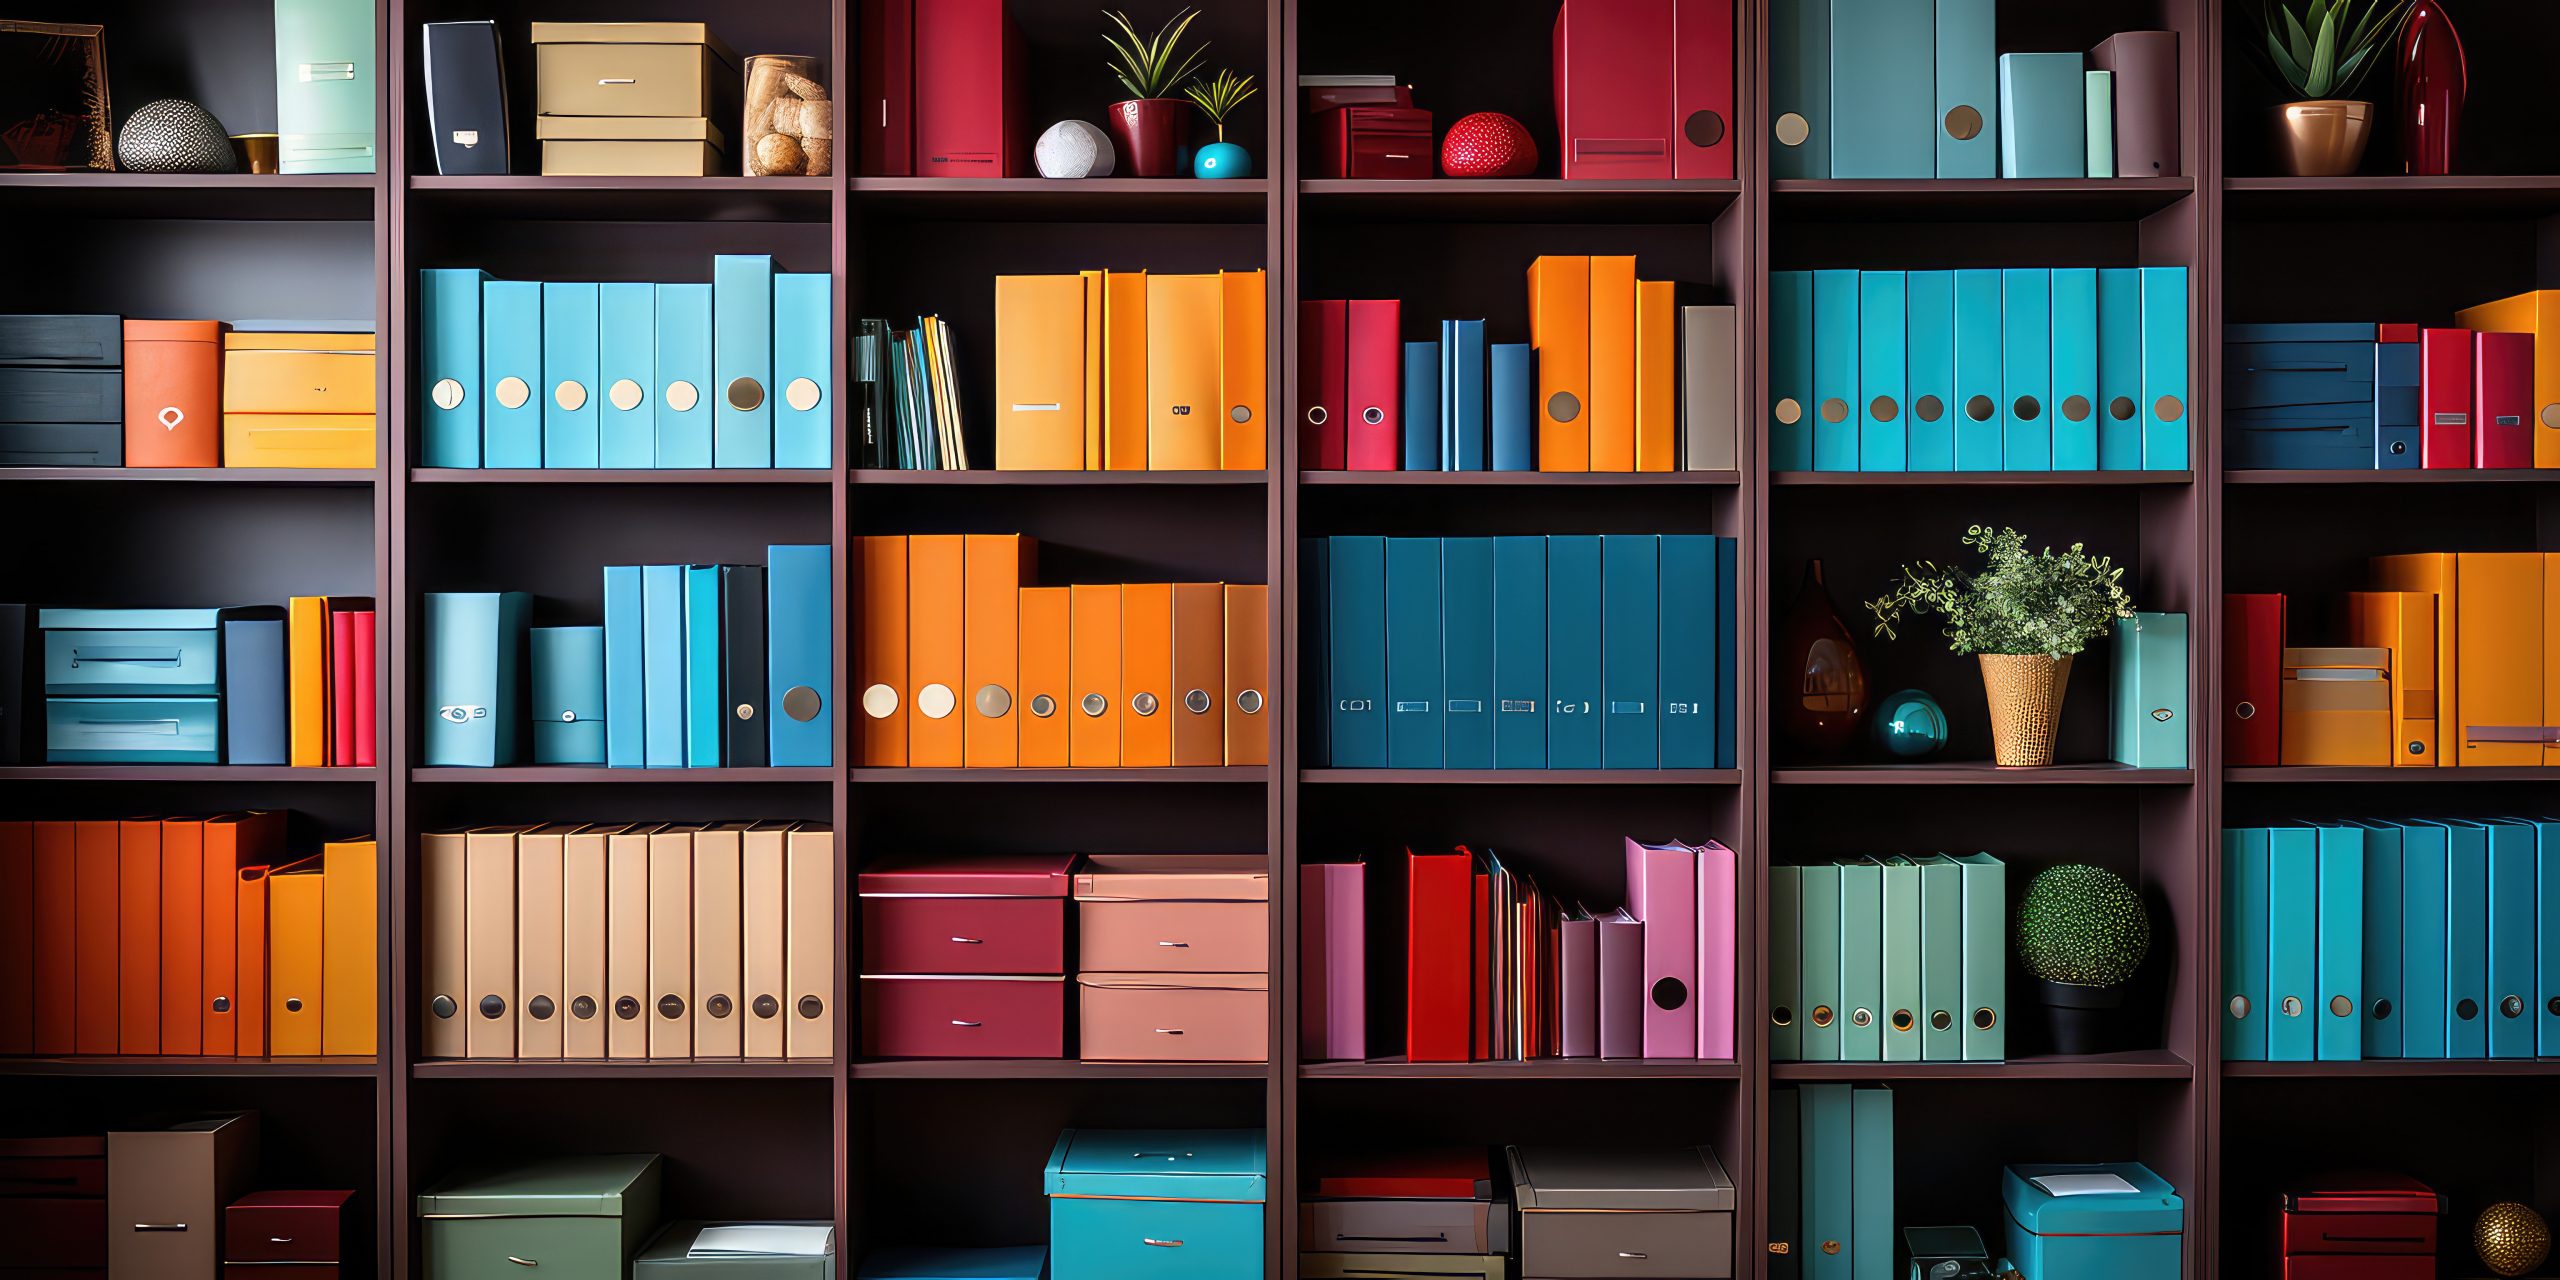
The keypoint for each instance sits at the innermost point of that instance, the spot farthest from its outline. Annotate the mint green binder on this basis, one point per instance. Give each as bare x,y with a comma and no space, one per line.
325,85
1902,1009
1871,1183
1986,974
1830,1196
1786,960
1861,960
1941,959
1819,941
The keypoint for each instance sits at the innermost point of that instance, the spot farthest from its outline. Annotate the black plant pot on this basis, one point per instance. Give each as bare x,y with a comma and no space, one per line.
2084,1019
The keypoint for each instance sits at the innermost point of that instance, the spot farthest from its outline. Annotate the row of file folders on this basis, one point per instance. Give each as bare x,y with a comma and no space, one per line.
2351,940
527,374
628,940
1831,1182
1131,371
186,936
1982,369
252,684
1581,651
1889,959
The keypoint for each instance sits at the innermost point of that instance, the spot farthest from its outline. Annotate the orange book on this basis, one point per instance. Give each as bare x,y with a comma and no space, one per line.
2403,622
1040,348
17,938
2433,572
95,909
1613,364
2500,656
182,937
1657,376
296,974
880,652
1199,673
307,675
231,842
1146,675
1124,371
996,565
1560,330
1093,675
138,936
348,984
56,938
1248,673
936,658
249,964
1184,427
1046,707
1094,377
1243,370
2536,313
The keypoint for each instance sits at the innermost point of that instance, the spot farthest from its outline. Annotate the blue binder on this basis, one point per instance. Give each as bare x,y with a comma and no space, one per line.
2293,890
1519,652
2245,914
1728,591
1315,688
1882,397
2466,940
803,370
1818,914
1830,1198
2546,892
1512,415
1883,122
662,665
1573,652
511,393
253,692
1861,960
2165,398
569,371
742,360
2043,116
1466,647
2339,1010
1631,609
450,391
2383,1010
1871,1182
1901,1013
1786,1181
1800,88
702,666
2396,424
626,375
625,702
2075,409
567,710
1980,342
684,376
1791,371
2119,369
1930,339
1967,76
1462,389
2511,1009
1835,371
1422,425
800,692
2026,369
1413,653
2424,1024
1692,704
475,661
1356,576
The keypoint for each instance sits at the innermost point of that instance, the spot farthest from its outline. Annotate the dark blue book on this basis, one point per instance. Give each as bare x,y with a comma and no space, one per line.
253,693
1462,392
1422,406
1512,407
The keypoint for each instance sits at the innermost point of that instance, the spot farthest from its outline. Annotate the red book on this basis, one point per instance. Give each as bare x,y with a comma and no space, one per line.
1481,1041
342,691
368,691
2252,679
2502,400
1701,89
885,116
17,937
1372,371
969,66
1439,897
1448,1173
2398,332
1321,442
1613,88
2444,399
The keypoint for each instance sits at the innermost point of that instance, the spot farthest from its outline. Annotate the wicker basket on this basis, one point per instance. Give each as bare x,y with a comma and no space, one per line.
2025,692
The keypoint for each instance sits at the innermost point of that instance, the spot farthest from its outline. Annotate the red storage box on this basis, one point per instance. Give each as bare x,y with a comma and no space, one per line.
2364,1227
960,1017
970,915
286,1227
1373,142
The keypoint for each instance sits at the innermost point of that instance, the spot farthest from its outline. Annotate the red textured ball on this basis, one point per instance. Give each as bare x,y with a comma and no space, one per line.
1488,144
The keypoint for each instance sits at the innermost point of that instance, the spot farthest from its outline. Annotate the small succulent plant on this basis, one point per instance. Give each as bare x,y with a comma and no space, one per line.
1218,96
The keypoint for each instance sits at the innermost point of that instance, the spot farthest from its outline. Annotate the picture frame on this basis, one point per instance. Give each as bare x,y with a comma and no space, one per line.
54,111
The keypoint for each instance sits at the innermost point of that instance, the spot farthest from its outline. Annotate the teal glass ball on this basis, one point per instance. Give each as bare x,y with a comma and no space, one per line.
1222,160
1910,725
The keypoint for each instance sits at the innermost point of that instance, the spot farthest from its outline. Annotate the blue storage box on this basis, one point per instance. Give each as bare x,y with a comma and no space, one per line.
2295,364
2092,1222
1144,1204
1019,1262
568,695
133,730
136,686
2305,437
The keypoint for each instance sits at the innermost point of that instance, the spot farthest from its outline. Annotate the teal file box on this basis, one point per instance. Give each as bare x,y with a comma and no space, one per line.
2043,120
135,652
1871,1183
742,360
1986,974
1929,328
2119,369
1786,1184
2293,893
2149,684
803,369
1519,652
2424,882
511,396
2511,1011
684,376
1830,1195
1413,653
144,730
1786,963
625,702
1882,443
799,646
2466,940
1967,111
1882,90
702,666
1835,370
662,664
2134,1234
2165,398
450,391
475,657
2098,118
325,86
1800,88
626,371
1690,686
2383,1012
1980,342
1791,371
1466,653
2026,369
2338,979
1630,612
1116,1195
1861,960
1941,959
568,695
1574,658
2546,893
2075,410
2245,913
1356,664
1902,1011
569,370
1818,934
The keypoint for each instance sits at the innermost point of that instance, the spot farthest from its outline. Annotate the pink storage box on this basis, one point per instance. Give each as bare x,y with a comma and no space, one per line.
1165,1017
982,914
1191,913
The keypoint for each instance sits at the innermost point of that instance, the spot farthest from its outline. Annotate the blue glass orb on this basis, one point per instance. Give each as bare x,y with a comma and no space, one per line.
1910,725
1222,160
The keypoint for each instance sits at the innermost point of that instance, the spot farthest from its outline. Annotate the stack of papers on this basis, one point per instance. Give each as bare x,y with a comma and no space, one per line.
763,1241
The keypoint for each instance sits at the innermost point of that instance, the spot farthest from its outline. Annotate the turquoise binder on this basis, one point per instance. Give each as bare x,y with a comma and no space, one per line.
1630,610
702,666
1882,397
1871,1183
475,662
801,615
2119,369
1830,1195
626,372
1786,1185
1689,686
1883,124
1818,946
803,369
2546,892
1979,346
1519,652
450,391
1466,652
742,360
1413,653
511,396
567,709
1574,659
2466,940
2098,122
1861,960
1986,972
1423,445
325,86
1728,590
1356,575
625,702
2293,892
2075,410
2424,882
569,372
2511,1008
1800,88
662,665
1791,371
2026,369
1902,1009
2148,726
1968,81
2165,397
1835,370
1786,963
2382,1012
684,376
2245,913
1930,339
2338,982
2043,120
1941,959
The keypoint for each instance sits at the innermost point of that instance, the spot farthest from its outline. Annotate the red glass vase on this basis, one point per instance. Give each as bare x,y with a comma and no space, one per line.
1822,685
2434,80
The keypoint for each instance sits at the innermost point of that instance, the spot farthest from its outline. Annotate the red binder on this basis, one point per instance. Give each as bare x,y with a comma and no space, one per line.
56,948
1480,929
1613,88
1701,89
2252,679
342,691
366,689
2502,400
969,61
1439,950
1322,446
1373,363
885,116
17,938
2444,398
1435,1173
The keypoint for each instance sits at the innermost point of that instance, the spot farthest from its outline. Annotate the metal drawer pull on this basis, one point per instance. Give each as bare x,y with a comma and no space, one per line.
279,1239
1168,1031
1624,1254
1185,945
618,80
1159,1155
1161,1244
958,1023
971,942
522,1262
159,1226
128,657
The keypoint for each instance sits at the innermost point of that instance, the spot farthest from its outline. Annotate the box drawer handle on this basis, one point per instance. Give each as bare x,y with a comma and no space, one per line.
969,942
1442,1238
1624,1254
1159,1155
617,80
312,71
279,1239
1168,1031
958,1023
127,657
1184,945
156,728
1161,1244
159,1226
522,1262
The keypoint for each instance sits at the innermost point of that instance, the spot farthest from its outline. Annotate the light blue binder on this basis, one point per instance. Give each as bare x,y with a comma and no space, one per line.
569,392
1986,974
1835,371
625,703
1930,340
474,694
1791,371
1871,1183
1941,959
2165,398
702,666
2075,409
1510,419
2546,892
1882,91
1861,961
1728,604
1631,619
1786,963
2293,890
1573,652
2098,119
1356,576
1519,652
1466,647
450,391
2119,369
2511,1011
1902,1011
2026,369
2246,1011
1883,404
1800,88
1462,389
800,637
2383,1011
1818,934
253,692
2466,940
2339,980
1967,76
511,394
662,665
2149,720
2424,882
567,709
742,360
803,369
1423,428
1689,689
684,387
1980,343
2043,118
1830,1197
627,375
1413,653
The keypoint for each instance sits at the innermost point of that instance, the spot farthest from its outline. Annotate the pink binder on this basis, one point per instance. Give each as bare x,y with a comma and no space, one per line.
1662,891
1578,984
1621,985
1333,1011
1715,994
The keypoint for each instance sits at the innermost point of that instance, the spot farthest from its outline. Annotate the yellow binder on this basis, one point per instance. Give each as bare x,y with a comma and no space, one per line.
1040,346
1560,330
347,933
1613,364
307,672
296,974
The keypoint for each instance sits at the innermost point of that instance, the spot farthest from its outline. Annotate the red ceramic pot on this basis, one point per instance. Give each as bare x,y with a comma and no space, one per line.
1153,135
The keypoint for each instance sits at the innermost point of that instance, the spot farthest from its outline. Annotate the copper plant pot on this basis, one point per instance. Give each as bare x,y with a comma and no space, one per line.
2324,138
2025,692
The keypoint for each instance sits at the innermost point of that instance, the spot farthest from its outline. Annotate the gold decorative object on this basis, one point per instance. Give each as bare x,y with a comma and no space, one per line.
2510,1238
791,124
2325,137
2025,692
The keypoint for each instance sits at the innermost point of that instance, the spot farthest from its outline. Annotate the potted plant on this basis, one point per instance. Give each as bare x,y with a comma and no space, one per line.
2082,931
1152,127
1217,97
2023,616
2321,51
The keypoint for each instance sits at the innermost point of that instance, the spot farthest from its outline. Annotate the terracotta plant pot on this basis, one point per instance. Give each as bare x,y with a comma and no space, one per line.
2324,138
2025,692
1153,135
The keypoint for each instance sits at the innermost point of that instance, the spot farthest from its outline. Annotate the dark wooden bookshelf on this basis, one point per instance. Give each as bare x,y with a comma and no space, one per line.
264,476
1977,479
1532,1069
2363,775
2394,479
2396,1069
579,475
1522,777
1975,199
1060,479
1510,480
1980,773
2140,1064
139,1066
623,1069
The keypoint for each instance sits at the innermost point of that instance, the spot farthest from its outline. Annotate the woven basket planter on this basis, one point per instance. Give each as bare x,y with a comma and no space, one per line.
2025,692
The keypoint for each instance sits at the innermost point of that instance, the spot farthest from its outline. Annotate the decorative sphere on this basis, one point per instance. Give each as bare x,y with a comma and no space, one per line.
1073,149
2511,1239
1910,725
174,135
1488,144
1222,160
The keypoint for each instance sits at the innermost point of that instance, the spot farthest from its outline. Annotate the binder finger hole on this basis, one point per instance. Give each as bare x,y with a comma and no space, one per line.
2027,409
2121,409
811,1006
1985,1018
1902,1020
1835,410
1862,1017
541,1008
2076,408
2341,1006
1703,128
671,1006
2466,1009
1094,704
1249,702
1883,409
2510,1007
441,1006
879,702
493,1007
745,394
1964,124
1316,415
447,394
1928,408
1980,408
582,1008
624,395
935,701
1373,415
2240,1007
1793,129
626,1008
1790,410
765,1006
1043,706
511,393
683,396
2380,1009
1782,1016
1670,993
1822,1016
2290,1006
1942,1020
2170,408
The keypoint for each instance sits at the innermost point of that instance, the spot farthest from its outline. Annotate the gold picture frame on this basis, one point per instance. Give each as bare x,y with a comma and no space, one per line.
54,112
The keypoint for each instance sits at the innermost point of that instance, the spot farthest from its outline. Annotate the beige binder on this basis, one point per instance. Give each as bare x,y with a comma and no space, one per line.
166,1188
586,1009
810,942
538,956
719,1008
670,1015
626,941
761,931
441,916
489,941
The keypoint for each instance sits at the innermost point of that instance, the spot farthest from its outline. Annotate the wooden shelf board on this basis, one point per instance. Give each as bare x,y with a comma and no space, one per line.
1534,1069
1240,773
181,773
1063,479
2455,197
625,199
1514,200
2140,1064
2419,478
1052,1069
1979,479
166,1068
265,477
1980,773
1065,199
226,197
1524,777
1974,199
625,1069
2386,773
2393,1069
1514,479
582,773
573,475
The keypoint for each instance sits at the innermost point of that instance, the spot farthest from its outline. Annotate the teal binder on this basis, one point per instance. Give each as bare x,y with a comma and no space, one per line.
1930,339
450,391
2043,116
1883,124
1631,609
1967,111
2511,1008
1691,684
625,702
2424,882
1902,1009
1413,653
474,684
1941,959
2546,890
1800,88
1835,370
1818,945
662,665
2165,398
2245,912
2119,369
1791,371
2148,725
1830,1195
2026,369
1861,960
1986,972
2382,1012
742,360
684,376
2339,977
626,373
1871,1183
803,369
1786,963
569,372
511,396
2293,890
1466,652
1786,1185
1574,643
702,666
1356,661
1882,396
1980,344
2466,940
2075,409
1519,652
2098,120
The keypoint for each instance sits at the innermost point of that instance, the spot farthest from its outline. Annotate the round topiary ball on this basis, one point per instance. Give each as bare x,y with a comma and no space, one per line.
2083,926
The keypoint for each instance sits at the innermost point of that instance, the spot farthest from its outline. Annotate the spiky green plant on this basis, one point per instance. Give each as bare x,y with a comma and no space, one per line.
1150,66
2018,603
2082,925
2325,48
1218,95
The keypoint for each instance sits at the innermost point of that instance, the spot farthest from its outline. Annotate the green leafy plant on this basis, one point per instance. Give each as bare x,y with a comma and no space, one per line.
1219,95
2082,925
2325,48
2018,603
1150,66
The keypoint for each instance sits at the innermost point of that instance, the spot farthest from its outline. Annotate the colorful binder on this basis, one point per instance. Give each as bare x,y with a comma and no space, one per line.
800,654
1466,653
2293,880
2338,980
684,376
1941,959
1985,964
1631,604
2026,366
2075,409
2164,369
475,655
2425,882
1786,960
1902,1011
1835,370
1575,690
1967,80
511,393
1790,371
1932,408
1519,652
803,369
1662,891
1818,944
1693,685
1861,960
2246,911
2043,121
1883,440
569,395
2510,1009
450,390
1882,94
742,360
1800,88
2383,1011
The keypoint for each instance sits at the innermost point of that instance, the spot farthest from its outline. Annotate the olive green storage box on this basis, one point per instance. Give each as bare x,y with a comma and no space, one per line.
577,1218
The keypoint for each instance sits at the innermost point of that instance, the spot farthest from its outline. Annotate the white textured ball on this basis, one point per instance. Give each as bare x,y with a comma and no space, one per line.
1073,149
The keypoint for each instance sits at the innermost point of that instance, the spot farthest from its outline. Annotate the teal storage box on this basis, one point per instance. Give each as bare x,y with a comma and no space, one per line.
134,652
574,1218
1141,1204
670,1257
1018,1262
324,86
2114,1222
133,730
568,695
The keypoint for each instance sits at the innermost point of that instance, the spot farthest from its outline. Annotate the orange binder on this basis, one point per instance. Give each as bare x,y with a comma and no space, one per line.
2550,664
1146,675
764,930
296,972
583,941
719,958
1199,673
1248,673
538,992
996,565
1613,364
1124,371
1185,430
444,925
56,938
1243,363
1657,376
2500,656
307,675
250,948
138,936
17,938
2536,313
671,1012
1046,707
1094,370
181,936
1093,676
489,941
626,941
1040,347
347,933
231,842
936,659
2433,572
880,652
2403,622
809,961
94,909
1560,330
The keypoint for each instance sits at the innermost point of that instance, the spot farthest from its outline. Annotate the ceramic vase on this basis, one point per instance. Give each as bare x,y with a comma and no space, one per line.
1153,135
1222,160
2325,137
1822,685
2434,80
